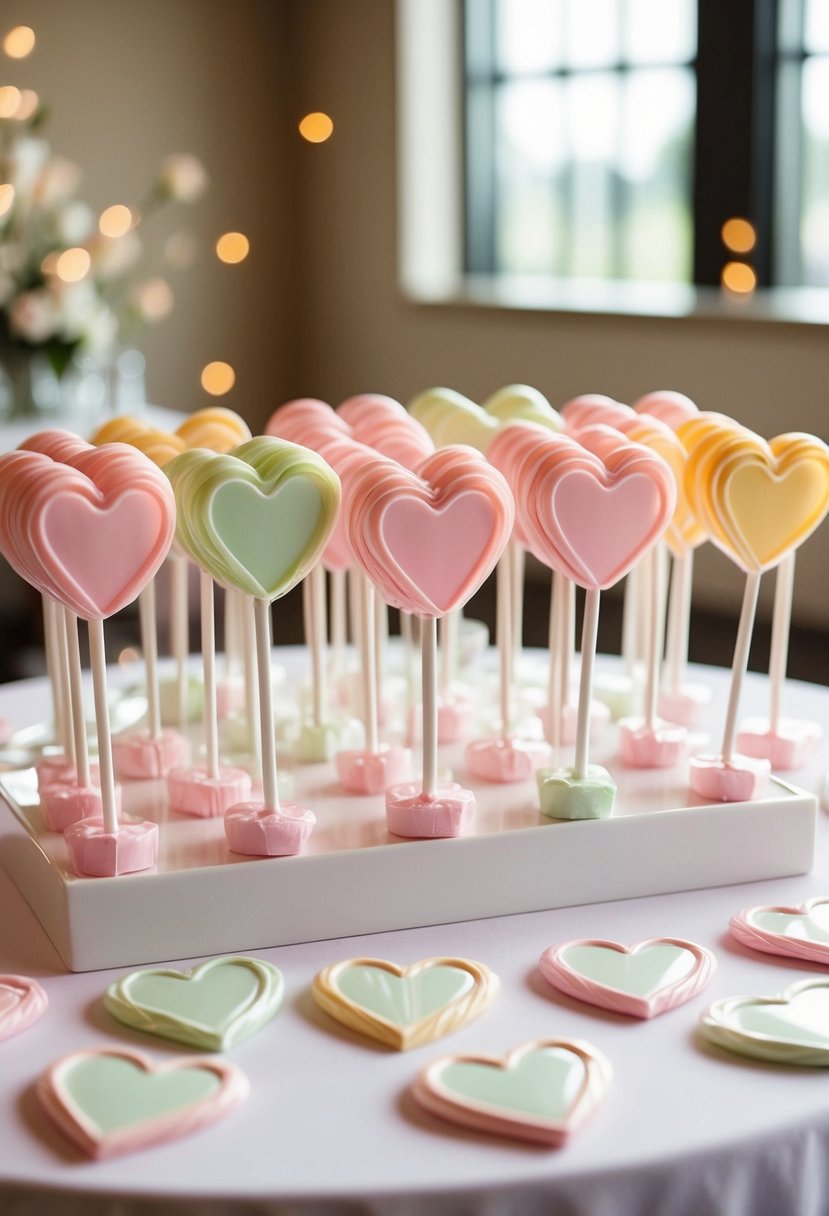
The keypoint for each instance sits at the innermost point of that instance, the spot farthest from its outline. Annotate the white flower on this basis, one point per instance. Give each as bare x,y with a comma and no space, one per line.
32,317
101,330
182,178
58,180
112,256
23,162
74,222
74,304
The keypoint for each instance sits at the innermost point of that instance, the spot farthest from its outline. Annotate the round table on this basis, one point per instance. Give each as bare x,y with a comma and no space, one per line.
329,1125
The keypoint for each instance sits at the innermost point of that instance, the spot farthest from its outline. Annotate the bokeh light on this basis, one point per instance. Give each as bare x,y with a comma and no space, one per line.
6,197
73,265
232,247
217,378
738,235
154,299
115,220
19,42
29,102
10,98
738,277
316,127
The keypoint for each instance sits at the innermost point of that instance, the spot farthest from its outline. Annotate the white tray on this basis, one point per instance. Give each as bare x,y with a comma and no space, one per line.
355,878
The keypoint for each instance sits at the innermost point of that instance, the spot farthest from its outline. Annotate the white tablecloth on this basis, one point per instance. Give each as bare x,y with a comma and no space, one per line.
329,1125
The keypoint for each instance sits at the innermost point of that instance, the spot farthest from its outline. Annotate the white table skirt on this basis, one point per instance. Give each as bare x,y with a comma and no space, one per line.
329,1126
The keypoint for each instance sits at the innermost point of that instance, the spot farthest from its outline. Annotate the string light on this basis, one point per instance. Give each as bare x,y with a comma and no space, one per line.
9,100
738,235
19,42
738,277
6,197
73,265
217,378
316,127
115,221
232,247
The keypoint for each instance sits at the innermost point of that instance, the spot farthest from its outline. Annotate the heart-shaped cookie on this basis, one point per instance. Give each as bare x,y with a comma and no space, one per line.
428,540
642,980
405,1006
109,1101
214,1006
541,1091
258,517
801,931
22,1002
792,1028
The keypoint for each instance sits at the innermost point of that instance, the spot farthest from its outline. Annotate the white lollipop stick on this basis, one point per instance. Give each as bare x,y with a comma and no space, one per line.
354,579
76,699
232,632
315,633
780,626
49,646
368,651
149,644
408,663
656,630
339,626
208,653
555,648
679,618
630,614
381,634
516,558
447,658
262,622
505,635
740,663
97,656
251,687
428,649
71,743
589,636
179,631
63,724
567,638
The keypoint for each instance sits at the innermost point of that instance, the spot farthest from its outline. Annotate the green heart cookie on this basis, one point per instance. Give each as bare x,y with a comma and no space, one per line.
789,1029
544,1083
214,1006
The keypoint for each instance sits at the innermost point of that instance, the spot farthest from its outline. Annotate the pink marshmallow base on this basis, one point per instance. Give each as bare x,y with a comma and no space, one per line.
504,761
96,853
791,746
192,791
257,831
137,756
363,772
415,815
738,780
63,805
684,706
456,717
599,719
60,770
659,746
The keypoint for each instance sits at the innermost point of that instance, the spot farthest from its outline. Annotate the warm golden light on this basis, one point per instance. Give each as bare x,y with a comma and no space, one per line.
19,42
29,101
316,127
49,265
72,265
127,656
738,277
6,197
154,298
232,247
218,378
738,235
115,221
10,99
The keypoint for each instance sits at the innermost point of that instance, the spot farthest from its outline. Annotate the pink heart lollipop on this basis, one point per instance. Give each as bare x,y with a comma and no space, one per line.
668,406
385,425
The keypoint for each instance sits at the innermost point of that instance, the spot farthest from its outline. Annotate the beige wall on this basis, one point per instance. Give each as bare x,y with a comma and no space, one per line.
316,310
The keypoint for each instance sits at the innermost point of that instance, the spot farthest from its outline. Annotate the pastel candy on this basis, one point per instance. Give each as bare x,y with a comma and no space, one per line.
563,795
668,406
541,1092
450,418
591,408
22,1002
792,1028
216,428
110,1101
642,980
159,446
405,1006
684,531
521,401
383,424
800,931
98,853
427,540
257,518
213,1006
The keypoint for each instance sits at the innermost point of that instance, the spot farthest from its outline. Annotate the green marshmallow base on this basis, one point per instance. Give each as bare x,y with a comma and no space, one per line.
563,795
319,744
214,1007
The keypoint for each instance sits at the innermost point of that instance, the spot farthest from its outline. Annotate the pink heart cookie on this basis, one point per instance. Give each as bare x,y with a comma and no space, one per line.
110,1101
642,980
799,931
22,1003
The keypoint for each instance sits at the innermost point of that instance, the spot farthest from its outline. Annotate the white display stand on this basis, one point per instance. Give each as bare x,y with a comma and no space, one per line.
356,878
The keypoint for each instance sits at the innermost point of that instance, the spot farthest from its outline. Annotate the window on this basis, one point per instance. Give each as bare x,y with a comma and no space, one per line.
613,139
